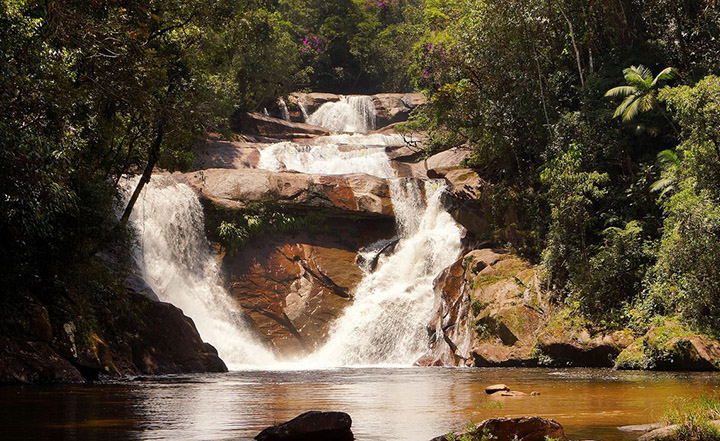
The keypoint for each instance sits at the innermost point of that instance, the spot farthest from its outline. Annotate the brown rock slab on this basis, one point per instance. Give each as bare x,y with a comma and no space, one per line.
259,124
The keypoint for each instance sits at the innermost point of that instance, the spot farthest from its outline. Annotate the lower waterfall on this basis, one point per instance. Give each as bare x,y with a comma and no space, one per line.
174,257
386,323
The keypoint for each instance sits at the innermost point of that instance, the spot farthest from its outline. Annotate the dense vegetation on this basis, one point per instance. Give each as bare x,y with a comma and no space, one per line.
91,91
614,169
618,195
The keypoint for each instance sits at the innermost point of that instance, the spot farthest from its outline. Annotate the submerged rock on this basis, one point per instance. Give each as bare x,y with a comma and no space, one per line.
311,426
496,388
510,429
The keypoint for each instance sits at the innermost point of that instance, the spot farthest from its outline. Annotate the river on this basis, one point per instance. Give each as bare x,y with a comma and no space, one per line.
404,404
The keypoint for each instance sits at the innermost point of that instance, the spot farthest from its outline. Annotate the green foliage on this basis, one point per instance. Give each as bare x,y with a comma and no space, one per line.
685,278
261,220
571,194
694,418
640,94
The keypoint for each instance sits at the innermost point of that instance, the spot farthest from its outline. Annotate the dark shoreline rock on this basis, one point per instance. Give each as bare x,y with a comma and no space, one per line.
150,338
311,426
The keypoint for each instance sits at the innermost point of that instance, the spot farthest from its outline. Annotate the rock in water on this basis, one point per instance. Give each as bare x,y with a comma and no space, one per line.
311,426
508,429
496,388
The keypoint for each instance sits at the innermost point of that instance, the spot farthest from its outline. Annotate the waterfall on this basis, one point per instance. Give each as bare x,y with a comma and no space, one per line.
284,109
174,256
349,114
386,323
303,110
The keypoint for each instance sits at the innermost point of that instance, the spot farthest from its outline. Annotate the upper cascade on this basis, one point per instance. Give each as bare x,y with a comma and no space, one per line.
353,114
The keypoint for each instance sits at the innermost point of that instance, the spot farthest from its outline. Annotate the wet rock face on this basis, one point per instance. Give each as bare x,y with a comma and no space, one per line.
311,426
293,286
355,195
509,429
488,312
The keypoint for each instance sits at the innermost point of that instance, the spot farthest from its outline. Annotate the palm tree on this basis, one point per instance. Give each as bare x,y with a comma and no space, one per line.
641,92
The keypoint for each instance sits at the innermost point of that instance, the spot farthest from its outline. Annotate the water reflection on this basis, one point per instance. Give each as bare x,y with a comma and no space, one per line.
385,404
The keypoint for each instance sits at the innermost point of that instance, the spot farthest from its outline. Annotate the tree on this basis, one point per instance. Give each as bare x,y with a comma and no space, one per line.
640,93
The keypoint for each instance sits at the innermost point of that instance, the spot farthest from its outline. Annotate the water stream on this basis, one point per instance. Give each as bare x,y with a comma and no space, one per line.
354,114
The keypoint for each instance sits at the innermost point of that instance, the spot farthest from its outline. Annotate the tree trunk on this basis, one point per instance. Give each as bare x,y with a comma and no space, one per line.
153,156
575,47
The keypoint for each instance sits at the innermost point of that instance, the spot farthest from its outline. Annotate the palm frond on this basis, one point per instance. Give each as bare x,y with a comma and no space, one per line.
662,183
624,105
621,91
638,76
631,111
666,75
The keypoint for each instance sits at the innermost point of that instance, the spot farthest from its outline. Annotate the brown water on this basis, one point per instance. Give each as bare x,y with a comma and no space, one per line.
385,404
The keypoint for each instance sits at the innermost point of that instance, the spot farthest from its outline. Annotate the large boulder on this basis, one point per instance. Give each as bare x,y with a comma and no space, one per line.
510,429
294,286
125,334
311,426
395,107
668,346
351,195
578,347
165,341
488,312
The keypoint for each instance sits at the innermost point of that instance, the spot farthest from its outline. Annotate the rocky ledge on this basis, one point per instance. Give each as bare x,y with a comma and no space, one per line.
155,338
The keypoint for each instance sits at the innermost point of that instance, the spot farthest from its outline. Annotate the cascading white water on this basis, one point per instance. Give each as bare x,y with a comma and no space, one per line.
174,256
284,109
303,110
350,114
386,323
392,305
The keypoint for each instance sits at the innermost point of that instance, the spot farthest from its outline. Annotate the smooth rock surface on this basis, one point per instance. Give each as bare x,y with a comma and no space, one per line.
311,426
496,388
